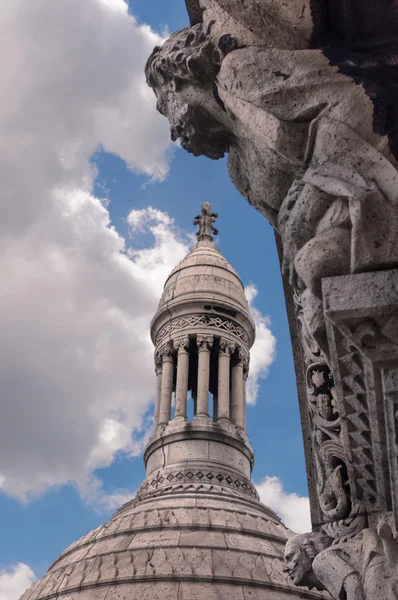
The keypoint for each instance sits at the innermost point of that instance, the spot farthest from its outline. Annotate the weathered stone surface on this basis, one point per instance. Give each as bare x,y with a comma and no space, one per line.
168,550
305,105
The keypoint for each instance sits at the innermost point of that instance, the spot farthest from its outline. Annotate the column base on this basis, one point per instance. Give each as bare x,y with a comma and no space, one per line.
225,423
202,418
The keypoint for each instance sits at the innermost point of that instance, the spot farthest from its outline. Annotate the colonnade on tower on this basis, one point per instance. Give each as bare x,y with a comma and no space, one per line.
203,365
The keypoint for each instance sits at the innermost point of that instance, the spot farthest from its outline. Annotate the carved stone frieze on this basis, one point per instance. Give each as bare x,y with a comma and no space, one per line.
361,315
329,456
226,479
200,321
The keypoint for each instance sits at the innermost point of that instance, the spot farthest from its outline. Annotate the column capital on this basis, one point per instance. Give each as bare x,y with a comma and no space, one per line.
158,363
204,342
181,343
166,352
243,359
226,346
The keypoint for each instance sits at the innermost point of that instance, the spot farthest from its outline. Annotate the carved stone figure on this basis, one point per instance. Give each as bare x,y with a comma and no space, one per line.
300,552
362,567
301,148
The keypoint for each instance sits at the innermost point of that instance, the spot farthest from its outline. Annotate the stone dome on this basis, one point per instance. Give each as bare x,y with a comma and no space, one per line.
204,274
193,541
203,283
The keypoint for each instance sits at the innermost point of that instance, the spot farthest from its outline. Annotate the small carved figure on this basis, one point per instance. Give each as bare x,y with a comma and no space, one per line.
363,567
300,552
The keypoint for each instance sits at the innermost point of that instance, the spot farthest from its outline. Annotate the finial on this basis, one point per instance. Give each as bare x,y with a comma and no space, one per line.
205,222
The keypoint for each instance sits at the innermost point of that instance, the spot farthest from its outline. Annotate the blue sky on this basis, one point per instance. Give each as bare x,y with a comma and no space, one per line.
72,298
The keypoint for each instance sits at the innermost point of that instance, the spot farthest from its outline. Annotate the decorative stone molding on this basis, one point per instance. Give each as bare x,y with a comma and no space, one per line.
201,475
362,323
166,351
226,347
181,343
204,342
199,321
328,451
356,557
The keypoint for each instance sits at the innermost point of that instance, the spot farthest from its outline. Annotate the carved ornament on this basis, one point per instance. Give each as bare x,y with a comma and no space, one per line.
181,344
204,342
195,321
226,347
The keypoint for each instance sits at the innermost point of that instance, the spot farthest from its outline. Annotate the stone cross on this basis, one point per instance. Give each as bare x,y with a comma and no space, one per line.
205,222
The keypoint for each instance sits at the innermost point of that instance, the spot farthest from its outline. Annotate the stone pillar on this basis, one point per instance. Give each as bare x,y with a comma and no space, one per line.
205,343
224,357
215,407
238,404
167,383
158,371
245,376
181,345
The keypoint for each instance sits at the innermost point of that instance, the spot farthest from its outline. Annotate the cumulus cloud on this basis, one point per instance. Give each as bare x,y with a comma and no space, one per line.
262,353
75,365
293,509
76,359
15,580
76,369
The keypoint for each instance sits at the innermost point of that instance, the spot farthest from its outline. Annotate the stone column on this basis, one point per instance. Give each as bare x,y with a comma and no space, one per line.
238,404
167,383
158,371
205,343
245,376
224,357
181,345
215,407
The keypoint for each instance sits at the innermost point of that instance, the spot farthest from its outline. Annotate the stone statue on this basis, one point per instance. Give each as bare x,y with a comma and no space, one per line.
362,567
301,148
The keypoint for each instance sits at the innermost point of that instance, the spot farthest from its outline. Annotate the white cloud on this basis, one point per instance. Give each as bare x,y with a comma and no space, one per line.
76,369
76,360
262,353
293,509
15,580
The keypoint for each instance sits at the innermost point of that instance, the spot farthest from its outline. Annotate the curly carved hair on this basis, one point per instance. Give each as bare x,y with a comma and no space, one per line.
189,54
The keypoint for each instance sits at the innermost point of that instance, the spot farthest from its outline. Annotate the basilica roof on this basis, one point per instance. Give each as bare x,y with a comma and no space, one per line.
199,543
